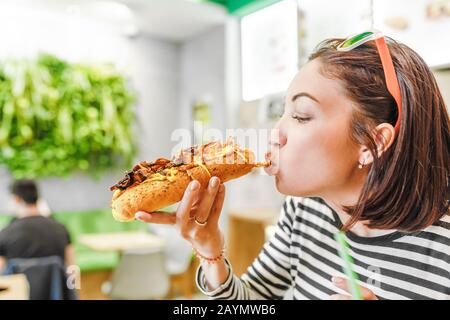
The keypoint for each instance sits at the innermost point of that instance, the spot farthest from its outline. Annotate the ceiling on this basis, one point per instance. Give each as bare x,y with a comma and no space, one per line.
174,20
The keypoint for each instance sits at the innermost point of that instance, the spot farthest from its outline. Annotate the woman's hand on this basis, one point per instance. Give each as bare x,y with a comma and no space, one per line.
196,218
343,284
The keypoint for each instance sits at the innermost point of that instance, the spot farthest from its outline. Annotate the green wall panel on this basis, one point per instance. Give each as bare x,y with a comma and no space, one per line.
243,7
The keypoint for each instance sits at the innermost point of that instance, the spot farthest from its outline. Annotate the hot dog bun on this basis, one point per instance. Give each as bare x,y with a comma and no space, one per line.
152,186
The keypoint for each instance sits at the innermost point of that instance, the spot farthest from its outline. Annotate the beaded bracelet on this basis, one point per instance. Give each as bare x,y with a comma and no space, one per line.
210,260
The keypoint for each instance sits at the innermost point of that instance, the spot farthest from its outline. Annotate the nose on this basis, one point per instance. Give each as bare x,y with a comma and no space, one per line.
277,138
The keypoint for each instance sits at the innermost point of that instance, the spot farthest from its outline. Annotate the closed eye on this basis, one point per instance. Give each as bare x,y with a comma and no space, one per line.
300,119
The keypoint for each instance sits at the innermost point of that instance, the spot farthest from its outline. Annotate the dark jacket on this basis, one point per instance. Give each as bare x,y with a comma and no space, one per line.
46,276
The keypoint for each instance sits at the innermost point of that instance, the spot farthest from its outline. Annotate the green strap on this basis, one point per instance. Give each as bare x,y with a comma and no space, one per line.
348,266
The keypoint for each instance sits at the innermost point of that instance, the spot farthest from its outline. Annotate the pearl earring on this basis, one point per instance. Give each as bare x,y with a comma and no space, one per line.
361,165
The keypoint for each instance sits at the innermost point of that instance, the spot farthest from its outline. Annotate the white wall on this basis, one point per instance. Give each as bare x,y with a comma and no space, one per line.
151,64
443,80
325,19
331,19
429,38
202,75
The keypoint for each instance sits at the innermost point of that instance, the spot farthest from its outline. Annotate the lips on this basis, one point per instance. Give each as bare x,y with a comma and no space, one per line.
273,168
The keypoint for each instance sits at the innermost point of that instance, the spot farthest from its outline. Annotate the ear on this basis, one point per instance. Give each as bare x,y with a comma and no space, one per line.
17,199
384,135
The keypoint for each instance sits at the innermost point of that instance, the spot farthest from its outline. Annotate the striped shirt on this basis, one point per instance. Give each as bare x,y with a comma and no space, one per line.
301,258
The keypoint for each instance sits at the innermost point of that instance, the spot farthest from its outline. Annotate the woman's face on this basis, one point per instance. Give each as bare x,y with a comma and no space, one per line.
312,154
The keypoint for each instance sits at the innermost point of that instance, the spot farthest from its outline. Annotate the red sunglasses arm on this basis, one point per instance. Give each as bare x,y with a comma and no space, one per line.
391,77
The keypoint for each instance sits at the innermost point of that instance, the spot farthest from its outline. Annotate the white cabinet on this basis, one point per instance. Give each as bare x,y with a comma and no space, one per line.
430,38
404,20
323,19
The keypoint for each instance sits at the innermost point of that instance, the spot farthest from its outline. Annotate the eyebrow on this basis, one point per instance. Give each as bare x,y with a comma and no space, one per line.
304,94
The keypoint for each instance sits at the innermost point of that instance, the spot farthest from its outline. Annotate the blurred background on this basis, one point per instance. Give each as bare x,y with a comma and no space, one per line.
89,87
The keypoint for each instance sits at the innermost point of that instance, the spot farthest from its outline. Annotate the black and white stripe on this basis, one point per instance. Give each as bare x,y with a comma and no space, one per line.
302,256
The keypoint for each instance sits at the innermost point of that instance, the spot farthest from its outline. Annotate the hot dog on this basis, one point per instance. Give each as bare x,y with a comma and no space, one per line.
150,186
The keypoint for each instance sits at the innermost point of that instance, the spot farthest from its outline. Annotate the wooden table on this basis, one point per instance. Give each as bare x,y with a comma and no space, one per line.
247,236
17,287
121,241
116,241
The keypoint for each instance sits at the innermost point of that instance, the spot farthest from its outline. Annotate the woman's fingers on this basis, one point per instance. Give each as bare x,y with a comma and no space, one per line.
342,283
206,203
217,206
185,206
203,206
157,217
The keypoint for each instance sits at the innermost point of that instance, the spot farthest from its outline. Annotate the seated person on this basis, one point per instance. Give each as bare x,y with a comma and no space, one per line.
31,234
43,208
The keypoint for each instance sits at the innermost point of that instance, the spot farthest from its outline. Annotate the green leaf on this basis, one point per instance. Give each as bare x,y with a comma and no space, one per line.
58,117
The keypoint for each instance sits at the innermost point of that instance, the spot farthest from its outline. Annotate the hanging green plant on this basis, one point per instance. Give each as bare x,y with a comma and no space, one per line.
58,117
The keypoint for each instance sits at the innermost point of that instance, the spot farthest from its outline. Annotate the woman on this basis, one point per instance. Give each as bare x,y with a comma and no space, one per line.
361,149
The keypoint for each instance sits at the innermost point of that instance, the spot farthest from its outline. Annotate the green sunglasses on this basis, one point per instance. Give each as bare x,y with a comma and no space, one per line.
386,61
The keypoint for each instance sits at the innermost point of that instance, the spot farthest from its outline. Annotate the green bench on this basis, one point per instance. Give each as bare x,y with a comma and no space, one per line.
85,222
4,220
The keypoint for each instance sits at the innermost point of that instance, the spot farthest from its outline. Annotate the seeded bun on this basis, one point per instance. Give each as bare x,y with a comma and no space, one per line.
166,186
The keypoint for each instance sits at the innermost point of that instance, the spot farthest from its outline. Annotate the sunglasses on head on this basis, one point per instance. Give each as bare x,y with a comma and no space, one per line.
386,61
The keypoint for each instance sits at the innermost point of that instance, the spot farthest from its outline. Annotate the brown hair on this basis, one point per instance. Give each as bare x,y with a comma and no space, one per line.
408,186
